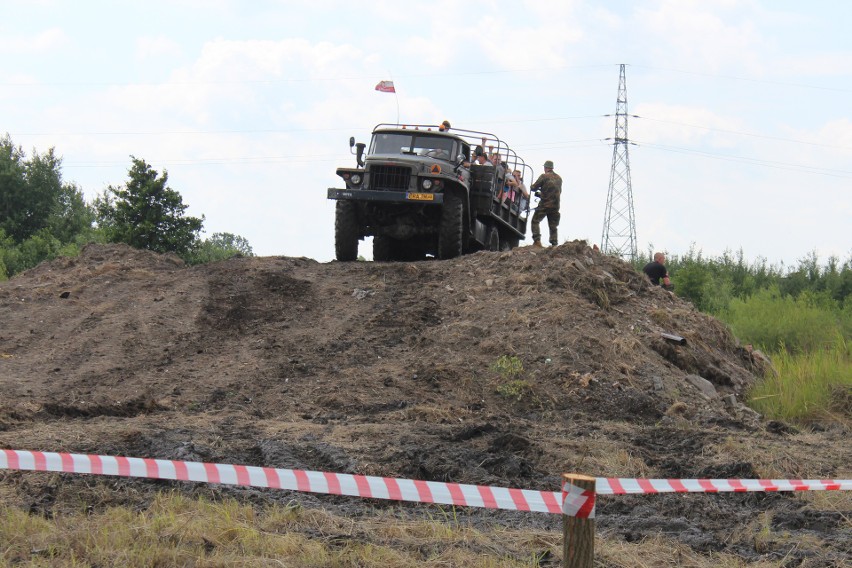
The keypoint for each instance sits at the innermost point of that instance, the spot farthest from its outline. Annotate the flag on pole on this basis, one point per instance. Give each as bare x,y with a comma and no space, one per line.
385,87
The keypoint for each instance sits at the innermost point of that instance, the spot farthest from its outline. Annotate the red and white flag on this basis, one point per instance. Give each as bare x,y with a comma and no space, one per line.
385,87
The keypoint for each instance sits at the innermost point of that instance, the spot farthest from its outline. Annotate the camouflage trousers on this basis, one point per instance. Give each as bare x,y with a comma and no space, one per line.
552,224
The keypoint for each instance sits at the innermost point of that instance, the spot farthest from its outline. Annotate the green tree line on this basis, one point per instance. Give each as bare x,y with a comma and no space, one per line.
801,315
801,306
42,216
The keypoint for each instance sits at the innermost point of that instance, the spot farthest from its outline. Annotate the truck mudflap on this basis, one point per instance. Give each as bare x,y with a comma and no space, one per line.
386,196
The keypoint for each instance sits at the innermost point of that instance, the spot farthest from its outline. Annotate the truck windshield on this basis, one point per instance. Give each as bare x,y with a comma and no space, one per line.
439,147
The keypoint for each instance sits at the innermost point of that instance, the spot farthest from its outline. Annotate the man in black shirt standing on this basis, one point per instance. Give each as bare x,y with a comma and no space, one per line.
656,271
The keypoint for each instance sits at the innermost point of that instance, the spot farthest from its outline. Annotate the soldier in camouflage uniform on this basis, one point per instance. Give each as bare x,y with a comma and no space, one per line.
549,187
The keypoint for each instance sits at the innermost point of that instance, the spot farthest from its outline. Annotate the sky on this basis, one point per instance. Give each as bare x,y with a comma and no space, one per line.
739,113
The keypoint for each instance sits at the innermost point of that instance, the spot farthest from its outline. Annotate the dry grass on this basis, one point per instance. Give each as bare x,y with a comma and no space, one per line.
628,350
660,552
178,531
427,413
603,456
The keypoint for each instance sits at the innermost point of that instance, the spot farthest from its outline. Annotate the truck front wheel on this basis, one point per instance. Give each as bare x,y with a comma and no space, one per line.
346,231
382,248
452,227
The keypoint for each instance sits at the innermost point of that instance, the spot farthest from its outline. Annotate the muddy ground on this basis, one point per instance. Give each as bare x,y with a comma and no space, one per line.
391,369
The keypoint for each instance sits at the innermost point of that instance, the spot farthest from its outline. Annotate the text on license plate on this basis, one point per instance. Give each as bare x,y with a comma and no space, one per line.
422,196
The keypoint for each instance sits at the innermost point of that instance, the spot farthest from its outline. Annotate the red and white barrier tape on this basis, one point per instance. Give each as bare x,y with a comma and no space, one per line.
293,479
624,486
573,500
578,502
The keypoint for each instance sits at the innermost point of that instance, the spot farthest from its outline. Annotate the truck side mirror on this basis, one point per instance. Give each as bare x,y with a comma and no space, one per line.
351,141
359,152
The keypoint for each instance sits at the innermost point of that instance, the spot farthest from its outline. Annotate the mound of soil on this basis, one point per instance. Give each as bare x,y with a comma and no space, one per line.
496,368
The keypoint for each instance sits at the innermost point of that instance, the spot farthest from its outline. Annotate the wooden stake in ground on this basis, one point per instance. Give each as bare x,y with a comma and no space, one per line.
578,521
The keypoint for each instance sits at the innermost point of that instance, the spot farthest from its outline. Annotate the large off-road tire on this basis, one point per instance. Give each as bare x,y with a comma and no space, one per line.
411,250
493,242
509,244
451,230
383,248
346,231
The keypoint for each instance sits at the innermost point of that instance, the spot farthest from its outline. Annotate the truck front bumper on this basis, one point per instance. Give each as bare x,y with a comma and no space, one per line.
386,196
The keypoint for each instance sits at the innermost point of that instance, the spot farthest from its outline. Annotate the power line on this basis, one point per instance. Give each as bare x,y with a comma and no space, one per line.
743,133
583,143
753,161
209,161
271,130
580,143
746,79
290,79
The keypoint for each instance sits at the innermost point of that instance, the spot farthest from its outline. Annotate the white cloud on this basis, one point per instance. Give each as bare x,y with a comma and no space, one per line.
825,64
706,37
148,47
838,132
42,42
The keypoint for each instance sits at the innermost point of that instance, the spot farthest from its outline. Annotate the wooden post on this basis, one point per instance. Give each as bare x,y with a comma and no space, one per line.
578,530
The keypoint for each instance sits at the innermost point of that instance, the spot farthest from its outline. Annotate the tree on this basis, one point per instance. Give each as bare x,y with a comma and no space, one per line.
33,196
13,187
72,216
146,213
29,189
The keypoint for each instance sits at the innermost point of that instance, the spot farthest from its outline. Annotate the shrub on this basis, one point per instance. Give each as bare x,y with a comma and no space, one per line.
220,246
508,366
515,390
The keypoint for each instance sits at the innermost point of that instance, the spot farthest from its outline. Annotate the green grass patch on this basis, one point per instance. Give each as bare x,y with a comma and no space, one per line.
770,320
808,386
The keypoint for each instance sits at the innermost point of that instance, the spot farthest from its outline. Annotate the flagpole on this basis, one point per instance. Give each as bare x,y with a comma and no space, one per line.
396,96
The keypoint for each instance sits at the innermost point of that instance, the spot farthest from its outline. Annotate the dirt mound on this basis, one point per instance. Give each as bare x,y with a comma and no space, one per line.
496,368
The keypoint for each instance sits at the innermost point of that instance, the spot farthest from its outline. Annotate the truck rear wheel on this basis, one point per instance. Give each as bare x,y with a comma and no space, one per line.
509,243
346,231
452,227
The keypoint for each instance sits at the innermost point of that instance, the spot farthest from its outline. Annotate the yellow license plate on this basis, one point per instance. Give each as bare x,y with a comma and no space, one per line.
422,196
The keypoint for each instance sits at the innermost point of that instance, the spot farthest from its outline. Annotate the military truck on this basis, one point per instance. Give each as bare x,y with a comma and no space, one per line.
418,191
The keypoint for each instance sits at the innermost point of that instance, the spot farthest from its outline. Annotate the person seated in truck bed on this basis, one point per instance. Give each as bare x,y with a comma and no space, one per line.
516,190
480,158
500,168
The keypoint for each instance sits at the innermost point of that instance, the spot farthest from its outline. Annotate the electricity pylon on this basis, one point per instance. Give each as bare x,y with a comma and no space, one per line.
619,230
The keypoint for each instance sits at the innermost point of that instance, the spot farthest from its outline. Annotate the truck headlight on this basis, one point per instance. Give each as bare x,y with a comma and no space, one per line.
356,179
426,184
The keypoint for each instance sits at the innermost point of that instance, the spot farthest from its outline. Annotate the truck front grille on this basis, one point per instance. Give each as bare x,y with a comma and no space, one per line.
389,178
